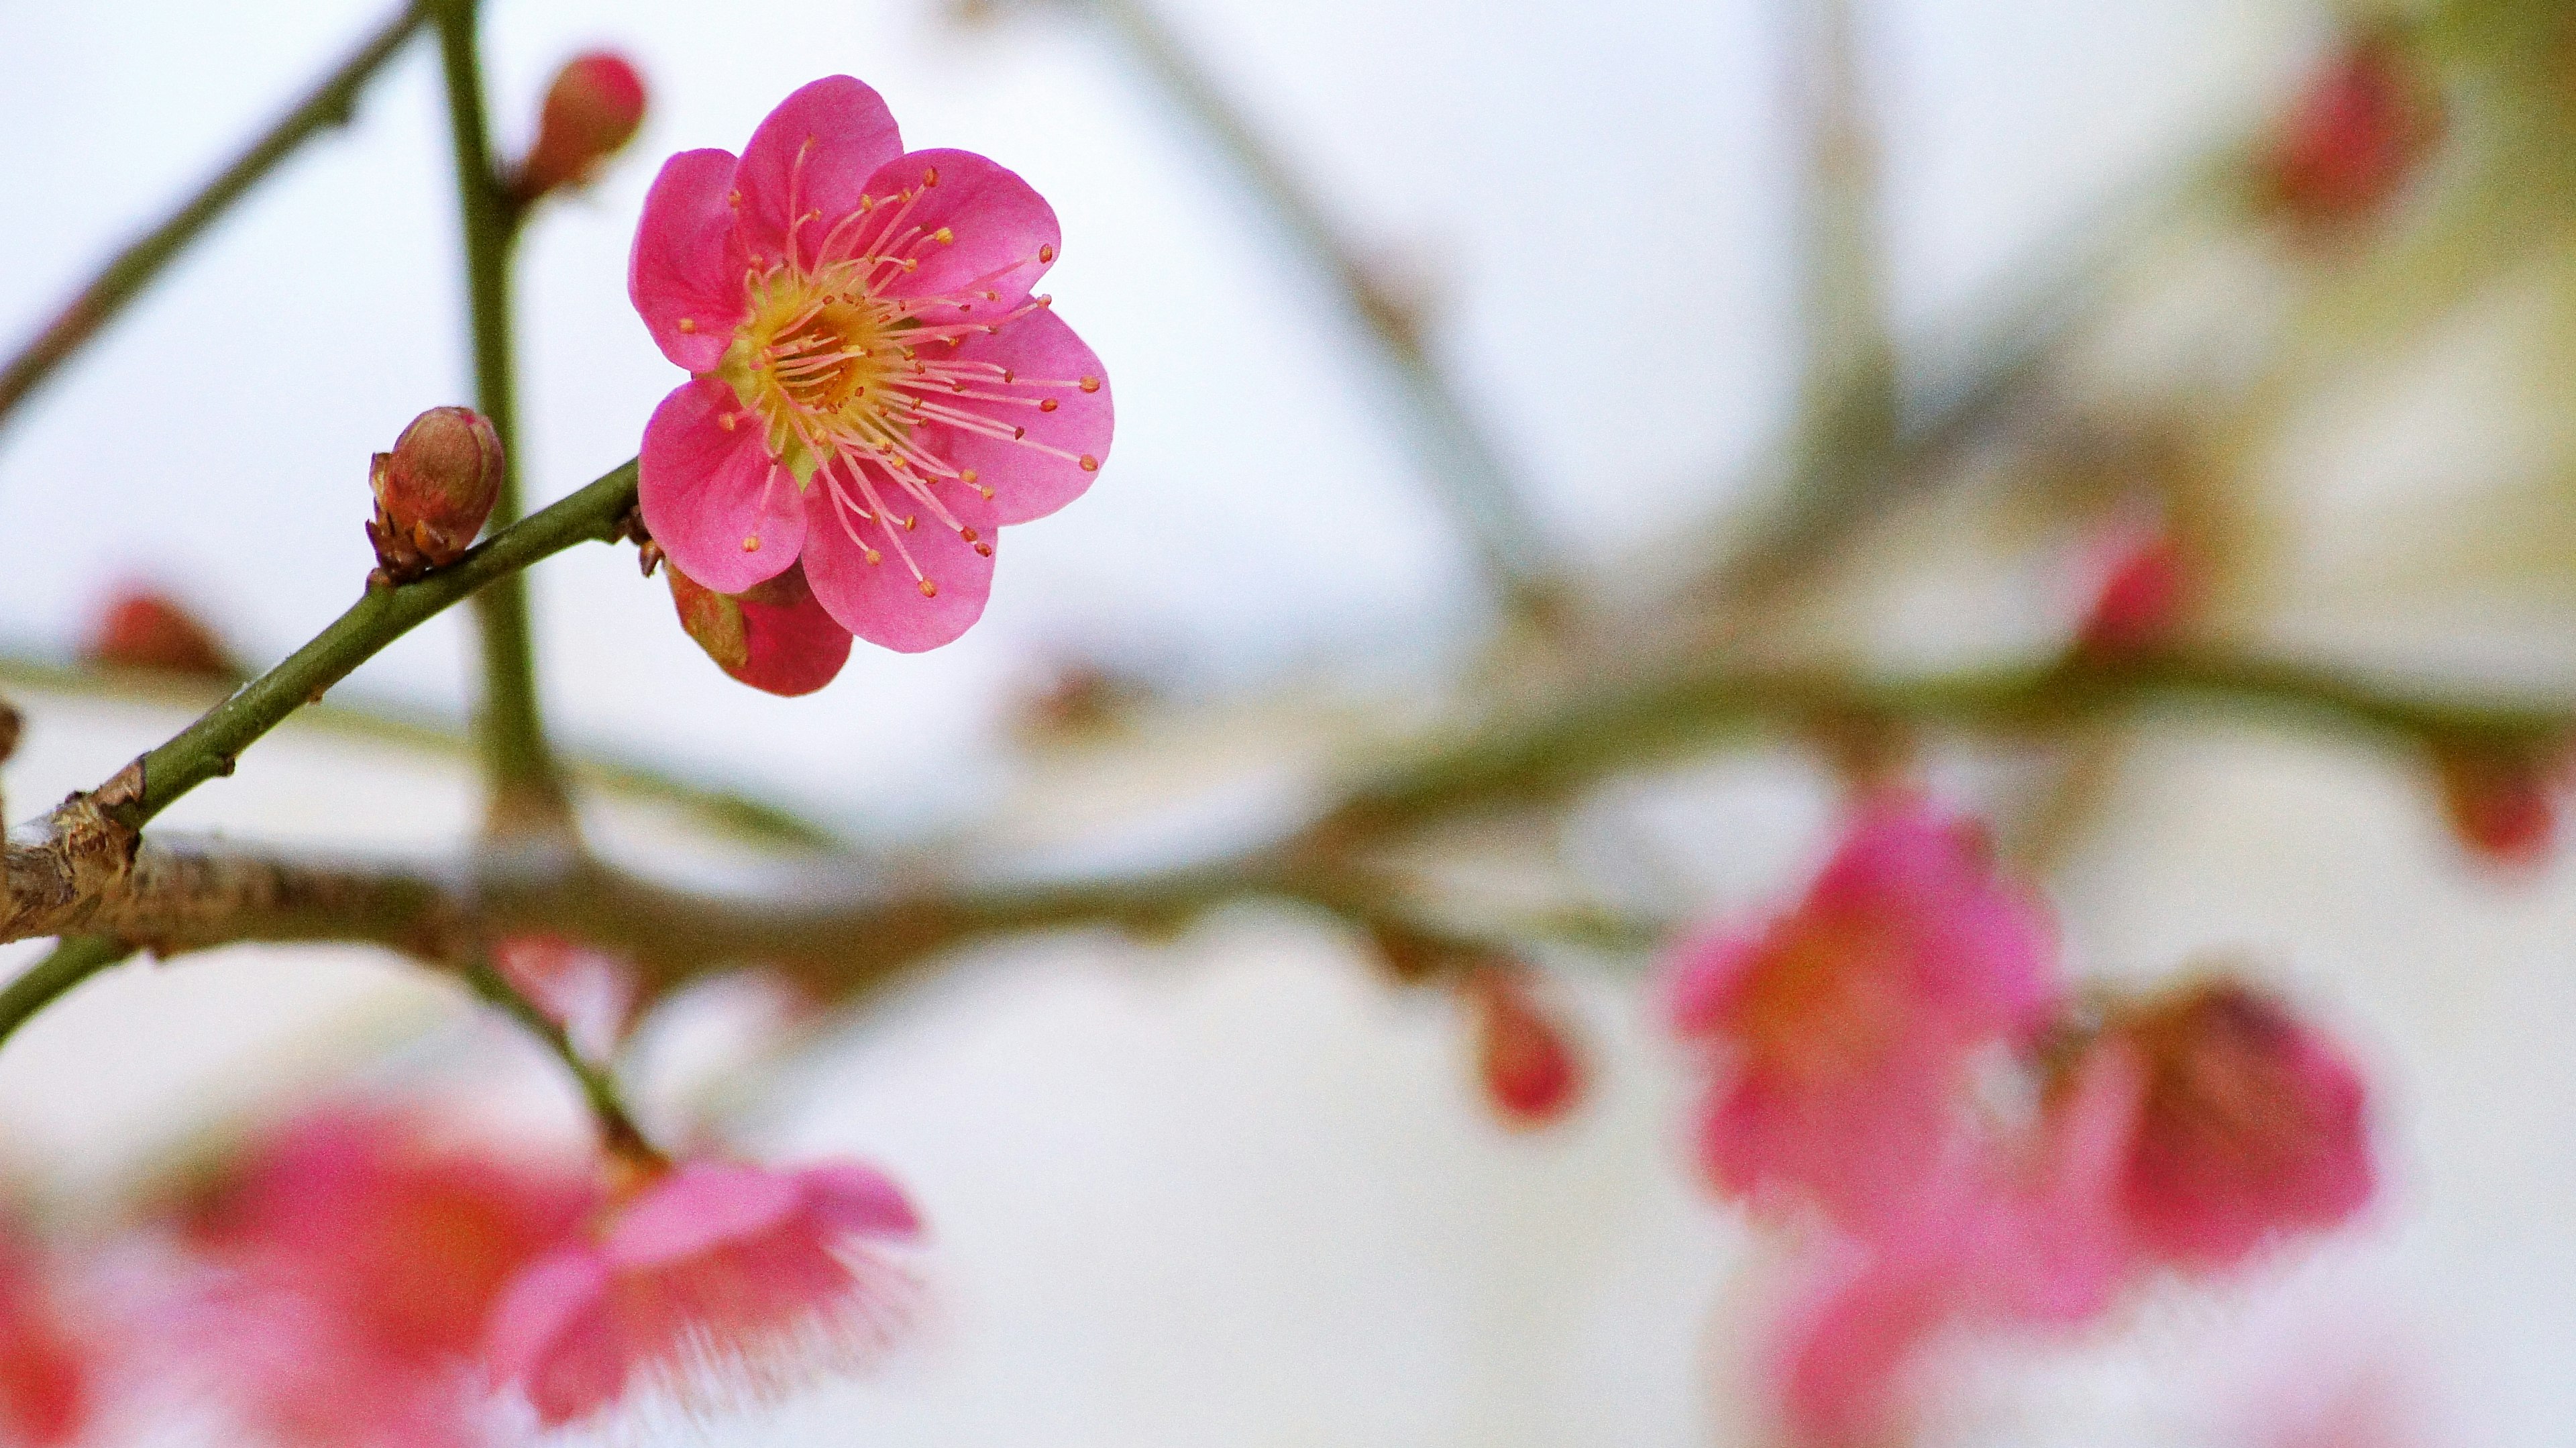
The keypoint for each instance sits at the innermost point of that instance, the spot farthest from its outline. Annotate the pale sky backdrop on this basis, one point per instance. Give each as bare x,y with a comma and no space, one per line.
1228,1193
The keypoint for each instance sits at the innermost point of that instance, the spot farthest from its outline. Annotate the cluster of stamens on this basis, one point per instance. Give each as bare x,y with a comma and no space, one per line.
851,384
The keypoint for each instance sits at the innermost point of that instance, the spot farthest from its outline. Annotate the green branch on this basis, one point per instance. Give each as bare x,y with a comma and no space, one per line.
134,268
527,788
71,962
206,749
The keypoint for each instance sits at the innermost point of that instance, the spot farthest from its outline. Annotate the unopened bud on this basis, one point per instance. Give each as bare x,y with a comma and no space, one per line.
2143,599
433,491
2500,800
2354,135
592,110
774,636
142,628
1525,1058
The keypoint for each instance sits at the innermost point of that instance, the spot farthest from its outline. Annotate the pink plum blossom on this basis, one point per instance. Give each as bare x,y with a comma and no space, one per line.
1841,1032
48,1365
352,1263
2246,1124
715,1283
874,389
1525,1057
2010,1230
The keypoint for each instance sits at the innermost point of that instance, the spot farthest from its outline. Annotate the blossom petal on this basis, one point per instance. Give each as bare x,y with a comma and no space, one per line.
685,274
1004,235
1028,480
859,1200
707,489
843,132
698,1207
882,601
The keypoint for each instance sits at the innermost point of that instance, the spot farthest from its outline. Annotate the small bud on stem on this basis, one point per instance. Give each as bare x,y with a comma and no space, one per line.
592,110
143,628
433,492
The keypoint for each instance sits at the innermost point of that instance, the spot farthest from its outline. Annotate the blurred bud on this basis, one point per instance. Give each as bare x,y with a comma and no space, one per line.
2354,135
433,491
1077,697
1525,1058
10,724
2249,1124
143,628
590,994
2141,602
592,110
774,636
2501,800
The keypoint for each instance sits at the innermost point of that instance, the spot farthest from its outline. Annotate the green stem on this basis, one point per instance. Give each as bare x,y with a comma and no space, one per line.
206,749
1487,502
617,1129
133,269
72,961
527,788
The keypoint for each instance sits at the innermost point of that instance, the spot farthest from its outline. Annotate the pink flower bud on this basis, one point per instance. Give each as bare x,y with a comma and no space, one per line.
1525,1058
2354,135
773,635
592,110
144,628
2141,602
434,490
2501,802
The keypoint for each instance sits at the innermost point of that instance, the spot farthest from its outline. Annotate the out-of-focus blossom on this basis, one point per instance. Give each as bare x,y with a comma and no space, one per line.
2354,135
2247,1124
2009,1231
2501,801
354,1263
592,110
2140,604
433,491
715,1284
774,635
48,1367
144,628
1526,1060
1841,1034
588,993
875,391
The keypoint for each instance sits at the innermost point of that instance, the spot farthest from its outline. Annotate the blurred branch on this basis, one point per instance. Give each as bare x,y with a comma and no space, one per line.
69,963
133,269
618,1132
723,810
846,932
1489,504
527,789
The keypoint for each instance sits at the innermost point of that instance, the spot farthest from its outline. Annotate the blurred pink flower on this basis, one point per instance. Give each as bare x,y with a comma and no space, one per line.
716,1283
1841,1033
2245,1125
2501,800
355,1260
587,992
2141,602
867,357
2355,134
48,1366
2009,1231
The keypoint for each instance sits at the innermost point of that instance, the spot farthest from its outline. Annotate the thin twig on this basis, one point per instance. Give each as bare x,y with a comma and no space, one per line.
329,104
618,1133
527,788
71,962
1489,504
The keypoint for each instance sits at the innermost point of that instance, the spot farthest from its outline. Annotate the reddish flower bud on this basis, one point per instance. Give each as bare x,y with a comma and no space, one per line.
142,628
773,636
2354,135
2248,1124
2140,604
433,491
1525,1059
592,110
2501,801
